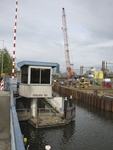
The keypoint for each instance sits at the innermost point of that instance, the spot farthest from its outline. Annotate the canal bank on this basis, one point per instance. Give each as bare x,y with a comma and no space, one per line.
95,95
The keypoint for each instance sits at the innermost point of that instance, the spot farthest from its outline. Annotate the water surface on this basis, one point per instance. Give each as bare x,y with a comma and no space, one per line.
91,130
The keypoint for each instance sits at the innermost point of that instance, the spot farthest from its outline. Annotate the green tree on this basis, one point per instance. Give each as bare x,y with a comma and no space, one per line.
7,61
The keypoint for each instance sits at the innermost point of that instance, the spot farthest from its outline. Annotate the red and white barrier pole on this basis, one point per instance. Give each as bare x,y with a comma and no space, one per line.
2,85
14,45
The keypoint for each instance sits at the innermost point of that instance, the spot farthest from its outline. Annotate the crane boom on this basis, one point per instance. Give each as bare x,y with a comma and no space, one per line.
66,45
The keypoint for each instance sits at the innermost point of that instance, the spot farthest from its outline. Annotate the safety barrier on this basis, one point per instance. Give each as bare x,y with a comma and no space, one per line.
16,135
2,85
105,103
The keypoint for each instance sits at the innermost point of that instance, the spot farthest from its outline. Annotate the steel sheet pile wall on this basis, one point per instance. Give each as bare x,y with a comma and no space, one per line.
65,90
90,98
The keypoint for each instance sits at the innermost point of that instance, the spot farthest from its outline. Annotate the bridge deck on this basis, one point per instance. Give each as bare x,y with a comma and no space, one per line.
5,121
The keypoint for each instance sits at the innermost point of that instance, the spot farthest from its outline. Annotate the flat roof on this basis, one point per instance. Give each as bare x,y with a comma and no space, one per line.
37,63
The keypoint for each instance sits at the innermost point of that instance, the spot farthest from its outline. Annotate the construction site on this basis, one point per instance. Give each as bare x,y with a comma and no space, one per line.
93,87
31,97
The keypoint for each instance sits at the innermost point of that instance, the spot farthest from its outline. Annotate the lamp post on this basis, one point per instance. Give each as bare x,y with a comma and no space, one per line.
2,57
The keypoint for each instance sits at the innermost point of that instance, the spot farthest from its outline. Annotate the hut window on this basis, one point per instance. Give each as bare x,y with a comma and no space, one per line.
35,75
40,76
45,76
24,74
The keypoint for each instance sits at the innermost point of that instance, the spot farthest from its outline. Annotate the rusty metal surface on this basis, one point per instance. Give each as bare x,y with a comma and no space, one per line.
47,121
92,95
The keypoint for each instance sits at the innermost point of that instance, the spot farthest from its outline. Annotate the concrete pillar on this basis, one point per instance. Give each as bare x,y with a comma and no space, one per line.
33,108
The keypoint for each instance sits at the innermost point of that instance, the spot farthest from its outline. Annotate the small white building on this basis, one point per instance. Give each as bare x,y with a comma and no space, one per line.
36,79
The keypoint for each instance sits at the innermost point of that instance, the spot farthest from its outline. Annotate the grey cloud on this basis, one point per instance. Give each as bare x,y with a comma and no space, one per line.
39,34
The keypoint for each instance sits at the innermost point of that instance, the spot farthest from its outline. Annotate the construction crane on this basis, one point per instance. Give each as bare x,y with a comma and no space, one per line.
70,73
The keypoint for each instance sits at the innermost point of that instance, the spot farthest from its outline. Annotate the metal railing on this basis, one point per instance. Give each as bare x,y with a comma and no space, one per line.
44,111
54,103
16,135
23,112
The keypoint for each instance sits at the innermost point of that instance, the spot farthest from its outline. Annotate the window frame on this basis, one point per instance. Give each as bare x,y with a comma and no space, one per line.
22,74
38,67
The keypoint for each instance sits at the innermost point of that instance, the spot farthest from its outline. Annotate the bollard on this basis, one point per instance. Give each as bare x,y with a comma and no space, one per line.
70,101
65,106
65,103
47,147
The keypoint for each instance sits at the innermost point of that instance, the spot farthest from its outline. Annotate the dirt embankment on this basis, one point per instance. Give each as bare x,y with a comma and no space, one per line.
100,90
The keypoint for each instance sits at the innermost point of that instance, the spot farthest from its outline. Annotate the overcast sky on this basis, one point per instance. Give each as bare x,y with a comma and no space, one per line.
40,37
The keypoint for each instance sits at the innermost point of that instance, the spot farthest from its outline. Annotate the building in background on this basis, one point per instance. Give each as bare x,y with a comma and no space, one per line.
56,69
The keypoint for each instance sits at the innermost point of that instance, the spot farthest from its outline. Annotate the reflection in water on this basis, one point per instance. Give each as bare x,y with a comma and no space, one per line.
92,129
68,131
38,138
95,110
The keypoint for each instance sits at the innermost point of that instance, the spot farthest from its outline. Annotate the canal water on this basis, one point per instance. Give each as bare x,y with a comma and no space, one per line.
91,130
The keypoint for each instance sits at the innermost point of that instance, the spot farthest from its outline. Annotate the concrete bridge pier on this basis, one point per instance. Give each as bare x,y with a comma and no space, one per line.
33,108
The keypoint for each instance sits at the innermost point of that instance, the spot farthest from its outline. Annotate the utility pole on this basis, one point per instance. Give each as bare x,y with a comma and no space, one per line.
2,57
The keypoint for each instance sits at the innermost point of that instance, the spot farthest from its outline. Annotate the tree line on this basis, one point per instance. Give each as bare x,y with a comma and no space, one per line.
7,61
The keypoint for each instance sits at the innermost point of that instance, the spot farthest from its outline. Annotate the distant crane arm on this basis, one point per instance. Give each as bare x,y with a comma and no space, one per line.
66,45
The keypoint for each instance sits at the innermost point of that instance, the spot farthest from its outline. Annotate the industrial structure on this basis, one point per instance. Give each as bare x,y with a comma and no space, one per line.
56,69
